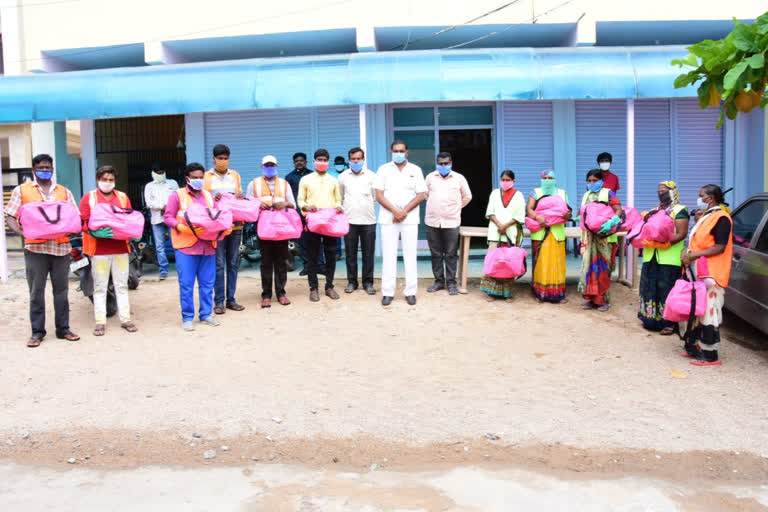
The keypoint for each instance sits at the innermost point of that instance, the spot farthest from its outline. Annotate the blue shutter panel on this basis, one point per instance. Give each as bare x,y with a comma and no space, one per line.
699,149
653,150
528,146
601,125
338,129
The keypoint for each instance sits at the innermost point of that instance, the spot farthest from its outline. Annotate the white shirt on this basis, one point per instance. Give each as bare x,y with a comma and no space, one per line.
358,197
156,197
399,187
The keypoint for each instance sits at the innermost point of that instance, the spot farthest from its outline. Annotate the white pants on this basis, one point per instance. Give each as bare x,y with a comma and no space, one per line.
390,233
101,266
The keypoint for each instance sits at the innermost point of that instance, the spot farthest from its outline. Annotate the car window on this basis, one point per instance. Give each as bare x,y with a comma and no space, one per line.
762,242
747,220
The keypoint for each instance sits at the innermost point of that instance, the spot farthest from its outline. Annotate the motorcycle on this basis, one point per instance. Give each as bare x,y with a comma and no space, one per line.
249,247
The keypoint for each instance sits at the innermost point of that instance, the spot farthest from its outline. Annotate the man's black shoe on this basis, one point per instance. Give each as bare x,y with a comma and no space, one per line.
386,301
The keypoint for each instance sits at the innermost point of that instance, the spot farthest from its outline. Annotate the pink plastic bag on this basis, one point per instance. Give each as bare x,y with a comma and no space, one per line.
49,220
243,210
631,218
678,304
328,222
505,262
656,227
279,224
533,225
552,208
125,222
214,221
594,215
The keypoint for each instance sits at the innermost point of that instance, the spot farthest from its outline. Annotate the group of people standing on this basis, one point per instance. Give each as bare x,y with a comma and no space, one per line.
399,187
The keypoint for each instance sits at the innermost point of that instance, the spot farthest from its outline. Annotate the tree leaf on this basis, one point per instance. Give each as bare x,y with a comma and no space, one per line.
732,77
756,61
691,60
761,24
743,38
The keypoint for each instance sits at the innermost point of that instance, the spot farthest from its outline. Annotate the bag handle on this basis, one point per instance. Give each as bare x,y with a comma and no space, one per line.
47,219
118,209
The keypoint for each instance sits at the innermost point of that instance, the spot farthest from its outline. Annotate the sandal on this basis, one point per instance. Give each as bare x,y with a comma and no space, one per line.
266,303
128,326
587,305
667,331
68,335
283,300
98,330
34,342
219,310
604,308
234,306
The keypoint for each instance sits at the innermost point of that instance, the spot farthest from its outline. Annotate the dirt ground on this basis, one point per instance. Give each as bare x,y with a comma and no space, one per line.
449,383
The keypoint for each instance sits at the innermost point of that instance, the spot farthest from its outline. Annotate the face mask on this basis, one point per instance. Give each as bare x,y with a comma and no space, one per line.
356,166
221,165
444,170
549,187
339,167
321,166
158,178
44,175
398,158
702,204
269,171
196,183
604,166
507,185
595,187
106,186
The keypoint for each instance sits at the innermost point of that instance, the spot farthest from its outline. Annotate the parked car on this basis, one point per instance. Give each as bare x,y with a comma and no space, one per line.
747,293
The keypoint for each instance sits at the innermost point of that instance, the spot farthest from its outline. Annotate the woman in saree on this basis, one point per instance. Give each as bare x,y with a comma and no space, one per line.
548,245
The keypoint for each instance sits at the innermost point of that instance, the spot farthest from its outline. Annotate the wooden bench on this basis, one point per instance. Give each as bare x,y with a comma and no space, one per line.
466,233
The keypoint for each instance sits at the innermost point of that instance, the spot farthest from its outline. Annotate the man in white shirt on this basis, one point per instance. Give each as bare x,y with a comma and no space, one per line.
156,194
399,188
358,198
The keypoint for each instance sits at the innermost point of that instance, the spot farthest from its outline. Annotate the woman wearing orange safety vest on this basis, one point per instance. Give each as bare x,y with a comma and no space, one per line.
108,256
709,252
195,258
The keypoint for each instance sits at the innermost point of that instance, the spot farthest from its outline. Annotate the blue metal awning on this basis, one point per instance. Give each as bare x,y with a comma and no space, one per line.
378,77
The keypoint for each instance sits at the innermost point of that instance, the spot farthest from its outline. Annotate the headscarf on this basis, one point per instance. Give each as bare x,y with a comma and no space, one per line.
674,193
547,173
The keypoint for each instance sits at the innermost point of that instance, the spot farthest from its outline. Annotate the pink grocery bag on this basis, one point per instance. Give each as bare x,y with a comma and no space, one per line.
656,227
505,262
594,215
552,208
49,220
126,223
631,218
533,225
214,221
243,210
683,298
328,222
279,224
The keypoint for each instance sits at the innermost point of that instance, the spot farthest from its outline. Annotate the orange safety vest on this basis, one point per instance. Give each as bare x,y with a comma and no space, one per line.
718,267
261,190
208,180
89,242
32,194
181,240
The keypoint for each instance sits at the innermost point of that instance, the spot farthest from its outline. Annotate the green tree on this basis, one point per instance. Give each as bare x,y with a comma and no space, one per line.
732,70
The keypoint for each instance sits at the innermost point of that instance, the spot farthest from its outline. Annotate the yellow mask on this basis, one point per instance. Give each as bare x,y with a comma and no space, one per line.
221,165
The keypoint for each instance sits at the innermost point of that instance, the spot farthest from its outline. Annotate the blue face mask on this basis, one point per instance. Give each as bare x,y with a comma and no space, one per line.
44,175
269,171
339,167
196,183
398,157
444,170
357,166
595,187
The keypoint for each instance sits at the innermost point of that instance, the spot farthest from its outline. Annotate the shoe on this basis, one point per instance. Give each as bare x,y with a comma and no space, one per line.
266,303
303,272
210,321
453,290
283,300
386,301
370,290
219,309
188,325
435,288
163,275
330,292
314,296
411,300
350,288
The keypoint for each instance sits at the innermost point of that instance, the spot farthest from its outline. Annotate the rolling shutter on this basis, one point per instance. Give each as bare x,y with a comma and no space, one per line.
653,150
528,146
601,125
699,147
338,129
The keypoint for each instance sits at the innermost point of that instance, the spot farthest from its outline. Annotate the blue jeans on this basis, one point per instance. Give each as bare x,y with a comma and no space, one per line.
158,233
227,257
191,268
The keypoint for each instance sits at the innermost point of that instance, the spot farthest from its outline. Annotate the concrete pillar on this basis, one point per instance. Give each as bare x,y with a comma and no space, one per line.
194,137
88,154
564,143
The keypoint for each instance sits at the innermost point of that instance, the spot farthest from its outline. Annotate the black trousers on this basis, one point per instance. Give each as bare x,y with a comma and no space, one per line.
38,266
316,242
274,254
365,234
443,246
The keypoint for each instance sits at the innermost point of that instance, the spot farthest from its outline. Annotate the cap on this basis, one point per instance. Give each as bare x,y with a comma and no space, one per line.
269,159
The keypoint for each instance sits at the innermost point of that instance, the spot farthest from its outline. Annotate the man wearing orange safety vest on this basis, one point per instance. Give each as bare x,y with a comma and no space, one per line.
43,257
195,258
223,180
108,256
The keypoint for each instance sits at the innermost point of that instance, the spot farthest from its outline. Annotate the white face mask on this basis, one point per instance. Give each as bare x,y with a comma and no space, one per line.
158,177
106,186
604,166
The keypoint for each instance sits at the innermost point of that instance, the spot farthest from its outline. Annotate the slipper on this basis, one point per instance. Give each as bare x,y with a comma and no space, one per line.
128,326
667,331
234,306
219,310
587,305
98,330
700,362
283,300
686,354
604,308
34,342
266,303
68,335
